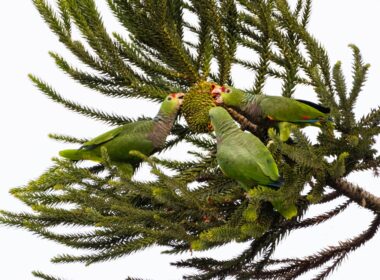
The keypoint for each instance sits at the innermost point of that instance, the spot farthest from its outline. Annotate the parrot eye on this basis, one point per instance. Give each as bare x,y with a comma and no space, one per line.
169,98
228,90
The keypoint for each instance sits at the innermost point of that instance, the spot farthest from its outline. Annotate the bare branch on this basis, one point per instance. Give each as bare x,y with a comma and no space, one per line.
357,194
295,267
320,218
329,197
245,123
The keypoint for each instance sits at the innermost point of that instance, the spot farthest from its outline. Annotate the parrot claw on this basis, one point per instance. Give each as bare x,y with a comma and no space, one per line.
270,143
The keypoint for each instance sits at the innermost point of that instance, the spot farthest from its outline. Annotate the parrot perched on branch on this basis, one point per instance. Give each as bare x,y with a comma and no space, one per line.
278,111
145,136
241,155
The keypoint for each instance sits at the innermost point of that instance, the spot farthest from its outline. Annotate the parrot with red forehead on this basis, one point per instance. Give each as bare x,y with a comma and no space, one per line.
144,136
278,111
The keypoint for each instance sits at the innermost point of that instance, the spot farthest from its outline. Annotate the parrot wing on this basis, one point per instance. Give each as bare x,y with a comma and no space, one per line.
255,163
257,150
234,164
291,110
137,129
103,138
319,107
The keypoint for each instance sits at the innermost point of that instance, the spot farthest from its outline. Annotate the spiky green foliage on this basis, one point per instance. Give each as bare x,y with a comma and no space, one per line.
155,57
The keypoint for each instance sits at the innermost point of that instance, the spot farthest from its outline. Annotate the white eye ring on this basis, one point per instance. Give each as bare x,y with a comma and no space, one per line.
228,90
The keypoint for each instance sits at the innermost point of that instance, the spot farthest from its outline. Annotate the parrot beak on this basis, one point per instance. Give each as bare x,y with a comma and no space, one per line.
216,92
180,96
210,128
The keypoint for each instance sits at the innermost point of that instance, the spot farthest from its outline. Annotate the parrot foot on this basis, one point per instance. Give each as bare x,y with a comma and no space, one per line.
285,130
270,143
125,169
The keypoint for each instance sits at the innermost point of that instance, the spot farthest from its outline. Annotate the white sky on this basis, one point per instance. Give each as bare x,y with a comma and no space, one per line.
27,117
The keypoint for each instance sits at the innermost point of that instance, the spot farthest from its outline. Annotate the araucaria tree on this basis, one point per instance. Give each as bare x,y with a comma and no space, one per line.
188,46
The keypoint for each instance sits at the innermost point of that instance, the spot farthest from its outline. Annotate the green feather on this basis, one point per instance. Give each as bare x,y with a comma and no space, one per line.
241,155
284,109
275,110
79,155
107,136
145,136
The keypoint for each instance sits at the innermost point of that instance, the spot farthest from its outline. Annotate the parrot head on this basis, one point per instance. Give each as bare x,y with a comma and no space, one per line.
172,103
227,95
218,117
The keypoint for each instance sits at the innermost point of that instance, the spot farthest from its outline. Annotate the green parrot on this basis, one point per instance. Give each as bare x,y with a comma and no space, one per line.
241,155
273,111
145,136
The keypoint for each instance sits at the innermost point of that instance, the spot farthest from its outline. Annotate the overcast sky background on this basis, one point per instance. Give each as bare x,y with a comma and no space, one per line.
27,117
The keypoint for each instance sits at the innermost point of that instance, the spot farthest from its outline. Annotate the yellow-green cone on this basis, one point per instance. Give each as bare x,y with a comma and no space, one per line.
196,104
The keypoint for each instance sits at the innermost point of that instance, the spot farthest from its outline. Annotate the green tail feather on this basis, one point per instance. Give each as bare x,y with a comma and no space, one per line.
79,155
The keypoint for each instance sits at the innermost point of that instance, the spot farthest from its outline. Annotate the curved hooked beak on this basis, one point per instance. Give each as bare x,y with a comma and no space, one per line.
216,92
180,96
